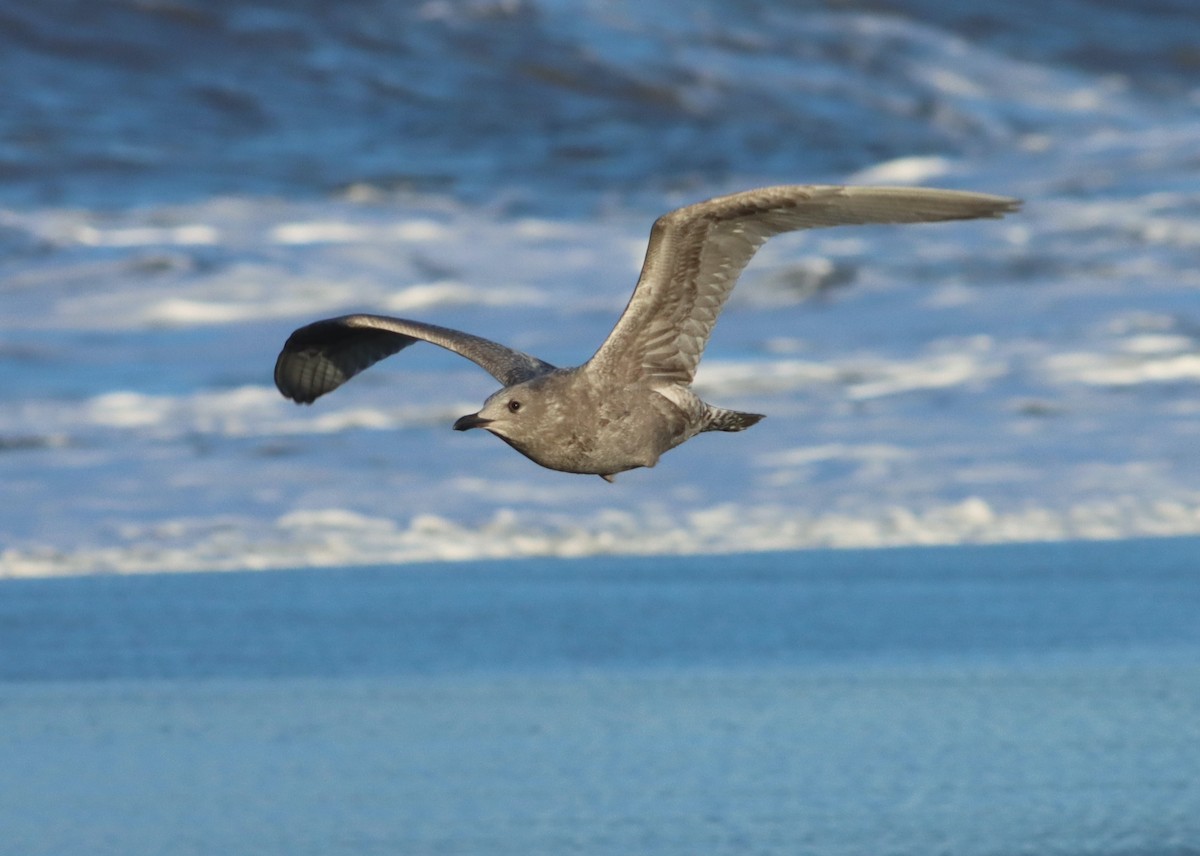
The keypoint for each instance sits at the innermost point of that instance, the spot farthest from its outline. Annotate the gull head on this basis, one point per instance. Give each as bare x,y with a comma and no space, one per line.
516,414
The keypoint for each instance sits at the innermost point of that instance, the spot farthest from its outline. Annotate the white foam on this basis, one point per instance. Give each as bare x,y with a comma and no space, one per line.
193,235
910,170
1137,367
178,311
940,371
453,293
328,537
804,455
349,232
863,376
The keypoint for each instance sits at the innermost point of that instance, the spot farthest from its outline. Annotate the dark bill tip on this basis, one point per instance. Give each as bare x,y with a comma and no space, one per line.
471,420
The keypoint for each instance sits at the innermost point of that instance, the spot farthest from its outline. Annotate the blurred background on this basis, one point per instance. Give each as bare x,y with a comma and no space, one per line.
182,183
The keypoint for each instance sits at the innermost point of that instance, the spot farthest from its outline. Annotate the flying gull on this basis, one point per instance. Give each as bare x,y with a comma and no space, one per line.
632,401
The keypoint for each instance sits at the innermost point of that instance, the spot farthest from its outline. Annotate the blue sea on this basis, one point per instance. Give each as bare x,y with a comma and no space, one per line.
942,600
1038,699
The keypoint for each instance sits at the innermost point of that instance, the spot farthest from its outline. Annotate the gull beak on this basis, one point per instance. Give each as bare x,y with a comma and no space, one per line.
471,420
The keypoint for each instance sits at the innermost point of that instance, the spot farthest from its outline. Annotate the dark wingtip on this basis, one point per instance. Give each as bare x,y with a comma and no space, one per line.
290,378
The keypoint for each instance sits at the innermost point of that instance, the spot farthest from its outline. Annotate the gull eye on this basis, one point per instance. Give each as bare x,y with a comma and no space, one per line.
514,405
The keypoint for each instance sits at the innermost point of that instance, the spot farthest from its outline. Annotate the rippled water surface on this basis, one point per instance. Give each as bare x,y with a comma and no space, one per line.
961,700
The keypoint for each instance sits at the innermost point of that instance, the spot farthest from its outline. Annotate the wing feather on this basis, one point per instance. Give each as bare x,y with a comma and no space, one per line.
320,357
696,254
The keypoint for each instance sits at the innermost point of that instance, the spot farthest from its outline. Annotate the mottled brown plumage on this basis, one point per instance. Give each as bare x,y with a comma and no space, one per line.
632,400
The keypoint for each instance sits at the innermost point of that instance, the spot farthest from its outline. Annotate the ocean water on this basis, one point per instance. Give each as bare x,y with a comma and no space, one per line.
1040,699
184,183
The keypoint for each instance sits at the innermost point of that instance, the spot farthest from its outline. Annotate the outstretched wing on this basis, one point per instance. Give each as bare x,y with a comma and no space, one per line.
321,356
697,253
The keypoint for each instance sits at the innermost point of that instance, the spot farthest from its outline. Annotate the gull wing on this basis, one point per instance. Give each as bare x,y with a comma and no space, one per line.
321,356
696,254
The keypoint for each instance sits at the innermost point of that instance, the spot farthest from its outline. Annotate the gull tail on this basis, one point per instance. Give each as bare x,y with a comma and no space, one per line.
719,419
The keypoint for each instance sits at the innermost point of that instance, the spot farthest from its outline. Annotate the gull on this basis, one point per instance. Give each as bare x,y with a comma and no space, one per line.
632,400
